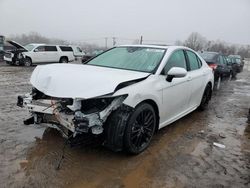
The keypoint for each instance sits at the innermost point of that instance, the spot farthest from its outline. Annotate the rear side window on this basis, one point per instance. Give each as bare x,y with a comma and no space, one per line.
177,59
193,61
66,48
50,48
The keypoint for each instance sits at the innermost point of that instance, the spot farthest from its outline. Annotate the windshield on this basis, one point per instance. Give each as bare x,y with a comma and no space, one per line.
141,59
29,47
208,56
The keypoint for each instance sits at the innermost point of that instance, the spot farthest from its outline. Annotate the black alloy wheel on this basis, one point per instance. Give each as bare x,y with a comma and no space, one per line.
140,129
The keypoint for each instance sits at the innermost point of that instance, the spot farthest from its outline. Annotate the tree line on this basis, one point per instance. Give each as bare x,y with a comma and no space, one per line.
197,42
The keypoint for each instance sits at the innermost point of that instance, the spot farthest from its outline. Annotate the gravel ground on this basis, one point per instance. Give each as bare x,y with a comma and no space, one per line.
181,155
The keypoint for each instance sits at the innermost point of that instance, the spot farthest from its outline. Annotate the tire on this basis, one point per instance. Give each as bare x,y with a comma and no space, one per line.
140,129
63,60
114,128
218,83
27,62
205,98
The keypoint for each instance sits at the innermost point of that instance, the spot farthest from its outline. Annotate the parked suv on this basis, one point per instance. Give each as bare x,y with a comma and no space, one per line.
219,64
38,53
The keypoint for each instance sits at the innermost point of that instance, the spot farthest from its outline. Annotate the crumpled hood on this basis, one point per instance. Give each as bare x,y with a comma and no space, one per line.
18,46
79,81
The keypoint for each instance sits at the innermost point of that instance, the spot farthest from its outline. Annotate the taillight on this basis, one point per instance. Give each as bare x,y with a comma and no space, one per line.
213,66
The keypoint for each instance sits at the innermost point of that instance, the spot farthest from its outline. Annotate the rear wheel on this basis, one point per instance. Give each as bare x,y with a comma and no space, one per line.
63,60
206,97
140,129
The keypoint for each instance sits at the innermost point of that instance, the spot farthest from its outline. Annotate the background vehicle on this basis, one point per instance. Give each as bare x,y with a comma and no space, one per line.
235,66
77,51
38,53
124,94
218,63
1,47
237,59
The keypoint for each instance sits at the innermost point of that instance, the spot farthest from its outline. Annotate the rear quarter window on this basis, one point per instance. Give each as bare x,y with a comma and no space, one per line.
193,60
66,48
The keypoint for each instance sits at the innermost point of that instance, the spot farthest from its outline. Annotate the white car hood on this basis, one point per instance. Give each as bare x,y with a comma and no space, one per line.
79,81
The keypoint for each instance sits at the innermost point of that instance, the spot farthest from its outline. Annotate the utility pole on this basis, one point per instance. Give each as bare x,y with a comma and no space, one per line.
114,41
141,40
106,42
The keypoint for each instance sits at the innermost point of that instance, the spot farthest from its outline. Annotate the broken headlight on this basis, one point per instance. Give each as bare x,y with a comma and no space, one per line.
95,105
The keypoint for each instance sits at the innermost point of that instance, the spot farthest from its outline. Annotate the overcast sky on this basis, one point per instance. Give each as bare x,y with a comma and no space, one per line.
156,20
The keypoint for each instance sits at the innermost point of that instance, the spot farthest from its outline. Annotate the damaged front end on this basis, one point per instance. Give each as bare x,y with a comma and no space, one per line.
70,116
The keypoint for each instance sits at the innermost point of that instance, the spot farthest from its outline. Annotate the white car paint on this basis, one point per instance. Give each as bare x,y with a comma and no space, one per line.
174,99
56,80
37,56
48,56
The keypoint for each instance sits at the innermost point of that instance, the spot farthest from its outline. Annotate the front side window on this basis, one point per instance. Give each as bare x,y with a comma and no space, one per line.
40,49
193,61
177,59
134,58
29,47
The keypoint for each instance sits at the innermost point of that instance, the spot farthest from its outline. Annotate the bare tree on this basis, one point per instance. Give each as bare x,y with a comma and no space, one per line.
195,41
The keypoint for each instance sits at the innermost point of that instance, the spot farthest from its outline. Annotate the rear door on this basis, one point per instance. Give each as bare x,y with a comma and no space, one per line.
196,78
51,53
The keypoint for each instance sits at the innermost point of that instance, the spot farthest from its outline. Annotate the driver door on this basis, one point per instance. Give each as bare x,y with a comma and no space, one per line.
39,54
175,93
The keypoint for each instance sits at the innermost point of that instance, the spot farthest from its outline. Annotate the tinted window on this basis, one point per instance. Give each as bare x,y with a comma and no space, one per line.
50,48
66,48
200,63
193,61
220,60
177,59
40,49
208,56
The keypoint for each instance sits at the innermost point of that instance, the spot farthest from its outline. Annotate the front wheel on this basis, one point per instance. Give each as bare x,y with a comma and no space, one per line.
27,62
140,129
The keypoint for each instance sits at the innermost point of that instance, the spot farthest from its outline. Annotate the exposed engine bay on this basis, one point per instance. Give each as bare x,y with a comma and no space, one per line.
15,57
70,116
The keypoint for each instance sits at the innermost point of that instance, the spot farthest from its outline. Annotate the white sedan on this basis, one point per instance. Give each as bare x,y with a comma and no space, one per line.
124,94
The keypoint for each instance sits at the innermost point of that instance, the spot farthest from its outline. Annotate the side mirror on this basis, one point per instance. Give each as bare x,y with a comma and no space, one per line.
176,72
36,50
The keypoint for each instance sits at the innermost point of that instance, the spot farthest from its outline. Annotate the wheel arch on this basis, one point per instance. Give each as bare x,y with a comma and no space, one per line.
156,109
63,57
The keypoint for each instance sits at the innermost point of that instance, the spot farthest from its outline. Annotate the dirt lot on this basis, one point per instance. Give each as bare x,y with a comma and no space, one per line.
181,155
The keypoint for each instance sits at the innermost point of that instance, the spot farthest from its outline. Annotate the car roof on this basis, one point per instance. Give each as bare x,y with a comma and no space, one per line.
173,47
